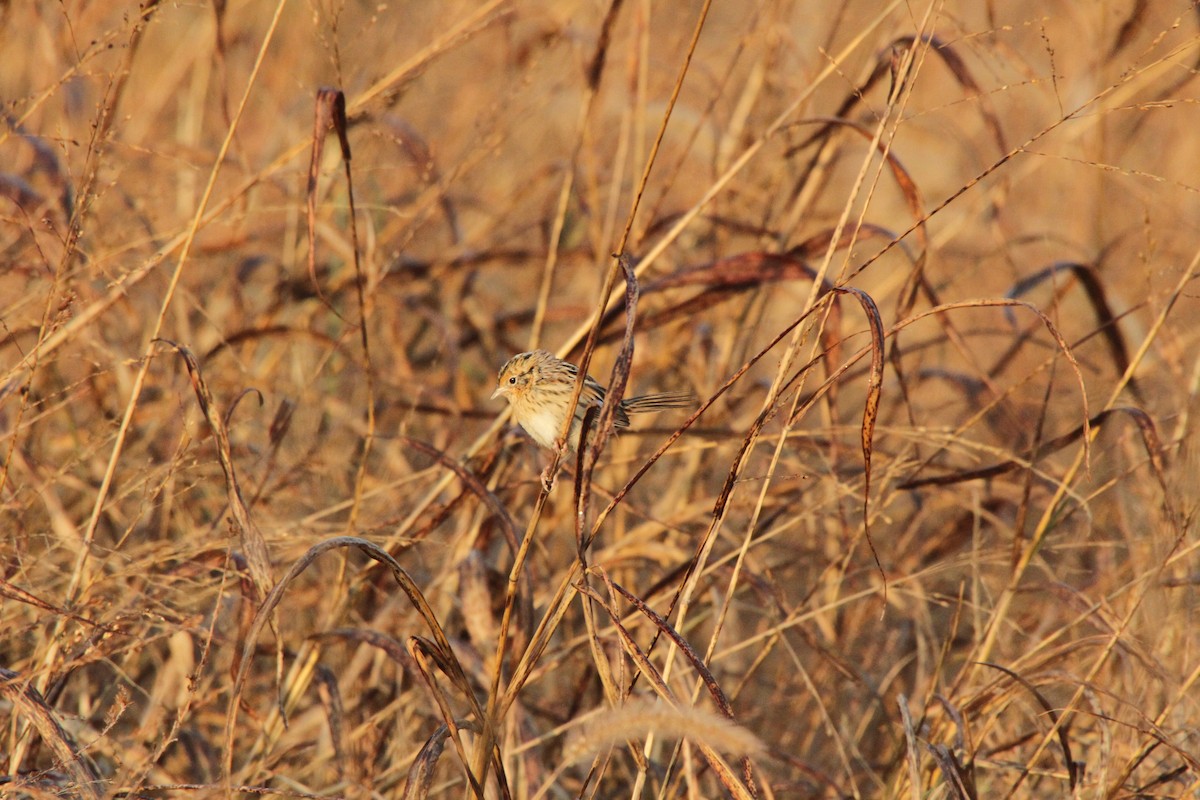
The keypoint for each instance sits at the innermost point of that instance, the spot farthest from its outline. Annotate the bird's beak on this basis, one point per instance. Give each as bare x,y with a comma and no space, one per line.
498,393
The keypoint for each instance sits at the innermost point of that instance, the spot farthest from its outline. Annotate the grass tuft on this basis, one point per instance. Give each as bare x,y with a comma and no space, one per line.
944,547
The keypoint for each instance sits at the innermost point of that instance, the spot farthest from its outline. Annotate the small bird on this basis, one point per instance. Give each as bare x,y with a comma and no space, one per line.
538,385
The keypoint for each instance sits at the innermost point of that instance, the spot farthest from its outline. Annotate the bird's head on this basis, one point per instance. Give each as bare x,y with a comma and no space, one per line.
519,374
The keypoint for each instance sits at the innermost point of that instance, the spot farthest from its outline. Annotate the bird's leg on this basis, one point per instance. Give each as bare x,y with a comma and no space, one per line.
560,449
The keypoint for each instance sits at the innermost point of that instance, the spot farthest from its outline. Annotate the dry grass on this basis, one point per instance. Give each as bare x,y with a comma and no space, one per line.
932,264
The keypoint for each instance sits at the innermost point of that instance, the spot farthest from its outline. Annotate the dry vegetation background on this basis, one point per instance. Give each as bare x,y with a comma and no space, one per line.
1032,481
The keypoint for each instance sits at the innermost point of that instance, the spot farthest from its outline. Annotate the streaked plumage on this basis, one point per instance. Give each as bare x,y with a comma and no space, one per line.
538,385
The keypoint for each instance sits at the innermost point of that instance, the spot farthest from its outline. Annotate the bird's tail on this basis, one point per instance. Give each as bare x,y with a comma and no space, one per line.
658,402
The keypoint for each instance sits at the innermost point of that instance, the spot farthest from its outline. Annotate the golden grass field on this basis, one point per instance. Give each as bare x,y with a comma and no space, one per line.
927,269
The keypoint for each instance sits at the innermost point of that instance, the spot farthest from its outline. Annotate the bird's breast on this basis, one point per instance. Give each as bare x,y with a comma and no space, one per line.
543,425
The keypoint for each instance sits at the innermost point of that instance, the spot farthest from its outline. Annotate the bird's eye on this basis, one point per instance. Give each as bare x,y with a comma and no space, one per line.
512,381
